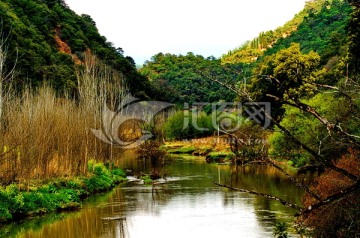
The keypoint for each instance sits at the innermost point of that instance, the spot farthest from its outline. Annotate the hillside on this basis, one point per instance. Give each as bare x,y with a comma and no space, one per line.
49,40
320,26
180,78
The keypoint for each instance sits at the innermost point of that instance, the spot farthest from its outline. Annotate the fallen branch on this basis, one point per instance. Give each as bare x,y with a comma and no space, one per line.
282,201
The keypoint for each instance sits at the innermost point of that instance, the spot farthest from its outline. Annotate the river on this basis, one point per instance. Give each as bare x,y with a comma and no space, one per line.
186,204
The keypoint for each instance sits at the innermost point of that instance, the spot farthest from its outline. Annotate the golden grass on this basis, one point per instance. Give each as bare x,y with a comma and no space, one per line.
44,136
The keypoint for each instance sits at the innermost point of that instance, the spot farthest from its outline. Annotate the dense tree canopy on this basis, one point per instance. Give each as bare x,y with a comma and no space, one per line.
319,27
354,35
181,81
49,40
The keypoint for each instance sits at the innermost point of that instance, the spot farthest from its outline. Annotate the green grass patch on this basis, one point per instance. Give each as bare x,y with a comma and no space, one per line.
147,180
59,194
219,157
183,150
225,155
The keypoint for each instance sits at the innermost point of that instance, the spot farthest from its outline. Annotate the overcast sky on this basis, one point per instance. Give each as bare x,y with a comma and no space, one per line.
143,28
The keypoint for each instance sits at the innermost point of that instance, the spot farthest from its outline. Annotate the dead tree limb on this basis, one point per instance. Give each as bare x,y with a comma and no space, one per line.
282,201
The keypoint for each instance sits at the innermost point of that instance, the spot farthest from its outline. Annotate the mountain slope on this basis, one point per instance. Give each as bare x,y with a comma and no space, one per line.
49,40
180,80
319,27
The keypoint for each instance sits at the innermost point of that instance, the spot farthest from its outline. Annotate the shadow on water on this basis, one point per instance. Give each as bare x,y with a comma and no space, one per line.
186,204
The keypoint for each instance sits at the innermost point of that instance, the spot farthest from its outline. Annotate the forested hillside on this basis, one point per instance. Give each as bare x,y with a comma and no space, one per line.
319,27
180,78
48,41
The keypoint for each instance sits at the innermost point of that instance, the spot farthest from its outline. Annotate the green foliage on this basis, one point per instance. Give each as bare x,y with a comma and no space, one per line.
183,150
320,27
227,155
38,32
286,75
103,178
174,127
280,230
146,179
323,31
309,130
187,125
56,195
180,81
354,36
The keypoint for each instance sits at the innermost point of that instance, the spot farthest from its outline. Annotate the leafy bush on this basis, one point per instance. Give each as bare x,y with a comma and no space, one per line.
183,150
188,125
56,195
280,230
310,130
146,179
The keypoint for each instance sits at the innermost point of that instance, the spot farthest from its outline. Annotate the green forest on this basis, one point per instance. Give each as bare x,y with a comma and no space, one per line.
58,75
48,41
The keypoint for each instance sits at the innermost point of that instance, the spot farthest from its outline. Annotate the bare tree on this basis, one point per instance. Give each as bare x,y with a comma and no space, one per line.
6,73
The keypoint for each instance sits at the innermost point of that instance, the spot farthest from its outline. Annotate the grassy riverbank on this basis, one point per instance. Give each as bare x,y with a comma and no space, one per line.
213,148
18,201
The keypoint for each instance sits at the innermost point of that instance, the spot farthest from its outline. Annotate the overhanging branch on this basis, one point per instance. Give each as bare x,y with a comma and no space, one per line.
282,201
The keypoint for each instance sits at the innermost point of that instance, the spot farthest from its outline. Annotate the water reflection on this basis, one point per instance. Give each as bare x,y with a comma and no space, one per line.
188,204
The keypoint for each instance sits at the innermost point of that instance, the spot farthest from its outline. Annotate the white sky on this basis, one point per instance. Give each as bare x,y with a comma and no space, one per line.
143,28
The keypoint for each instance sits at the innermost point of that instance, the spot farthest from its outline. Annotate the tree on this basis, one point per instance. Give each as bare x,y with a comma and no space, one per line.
312,133
354,35
287,78
175,76
6,74
248,143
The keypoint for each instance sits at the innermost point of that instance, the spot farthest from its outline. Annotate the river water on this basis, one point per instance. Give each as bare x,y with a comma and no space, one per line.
186,204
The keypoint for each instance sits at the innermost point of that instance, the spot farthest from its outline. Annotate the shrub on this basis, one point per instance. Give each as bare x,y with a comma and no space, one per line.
280,230
58,194
310,130
188,125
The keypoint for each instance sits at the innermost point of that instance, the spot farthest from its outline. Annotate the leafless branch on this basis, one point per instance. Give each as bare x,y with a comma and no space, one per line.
282,201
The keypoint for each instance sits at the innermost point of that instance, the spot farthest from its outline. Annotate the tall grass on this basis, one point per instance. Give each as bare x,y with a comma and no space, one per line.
44,135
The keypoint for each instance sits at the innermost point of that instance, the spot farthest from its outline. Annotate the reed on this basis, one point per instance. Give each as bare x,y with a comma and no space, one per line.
45,136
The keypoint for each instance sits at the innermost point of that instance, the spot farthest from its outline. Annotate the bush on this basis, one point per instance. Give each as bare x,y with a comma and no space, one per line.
187,125
56,195
183,150
5,214
280,230
312,133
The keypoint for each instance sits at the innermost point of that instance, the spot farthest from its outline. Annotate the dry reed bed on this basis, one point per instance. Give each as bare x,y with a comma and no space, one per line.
45,136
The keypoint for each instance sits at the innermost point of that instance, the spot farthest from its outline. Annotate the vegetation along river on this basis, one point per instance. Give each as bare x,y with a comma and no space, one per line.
186,204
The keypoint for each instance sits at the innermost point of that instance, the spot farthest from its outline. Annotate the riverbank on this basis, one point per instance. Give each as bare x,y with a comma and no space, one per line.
149,211
215,149
18,201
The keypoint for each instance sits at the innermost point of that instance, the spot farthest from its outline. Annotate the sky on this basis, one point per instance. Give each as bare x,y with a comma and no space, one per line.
143,28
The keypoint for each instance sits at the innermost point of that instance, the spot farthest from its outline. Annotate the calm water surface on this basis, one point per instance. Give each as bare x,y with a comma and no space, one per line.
187,204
